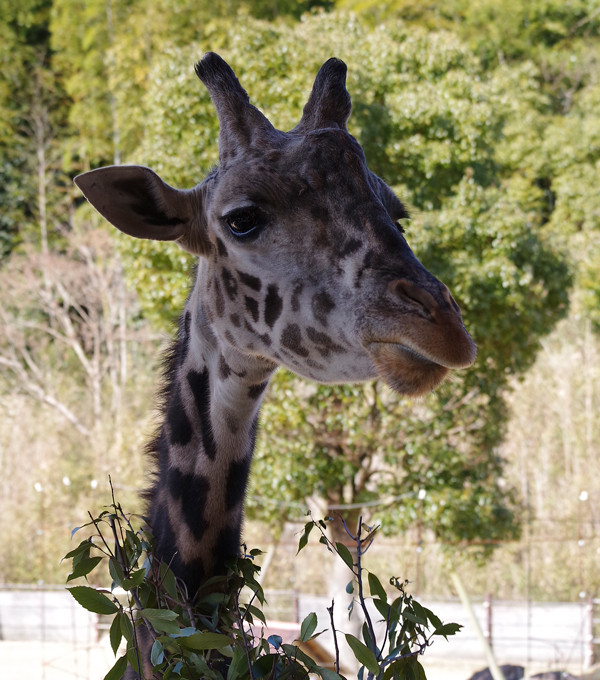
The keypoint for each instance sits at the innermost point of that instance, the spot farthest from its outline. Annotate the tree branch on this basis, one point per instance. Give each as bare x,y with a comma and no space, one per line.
35,390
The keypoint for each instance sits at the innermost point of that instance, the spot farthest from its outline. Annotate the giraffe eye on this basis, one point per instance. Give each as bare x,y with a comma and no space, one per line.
244,221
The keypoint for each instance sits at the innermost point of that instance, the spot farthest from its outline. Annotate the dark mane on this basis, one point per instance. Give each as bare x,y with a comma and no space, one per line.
156,450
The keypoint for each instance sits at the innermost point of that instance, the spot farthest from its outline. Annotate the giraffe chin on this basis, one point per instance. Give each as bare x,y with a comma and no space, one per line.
405,370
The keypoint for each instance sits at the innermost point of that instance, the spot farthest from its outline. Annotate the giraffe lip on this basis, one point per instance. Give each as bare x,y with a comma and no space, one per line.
405,352
404,369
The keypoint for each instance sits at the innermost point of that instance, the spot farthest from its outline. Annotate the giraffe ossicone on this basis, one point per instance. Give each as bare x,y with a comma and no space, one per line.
301,263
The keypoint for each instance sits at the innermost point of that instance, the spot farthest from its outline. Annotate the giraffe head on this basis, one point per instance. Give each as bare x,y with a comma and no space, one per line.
302,259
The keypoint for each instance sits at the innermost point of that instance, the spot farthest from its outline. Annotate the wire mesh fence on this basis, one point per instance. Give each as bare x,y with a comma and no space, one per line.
46,635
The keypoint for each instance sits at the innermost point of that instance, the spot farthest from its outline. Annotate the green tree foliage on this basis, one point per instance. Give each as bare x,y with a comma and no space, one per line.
551,88
521,29
32,108
82,35
572,151
106,49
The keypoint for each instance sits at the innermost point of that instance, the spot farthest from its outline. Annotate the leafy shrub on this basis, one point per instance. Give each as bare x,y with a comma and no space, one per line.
219,634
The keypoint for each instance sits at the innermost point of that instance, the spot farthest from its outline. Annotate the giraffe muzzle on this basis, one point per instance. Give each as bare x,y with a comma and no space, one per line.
414,349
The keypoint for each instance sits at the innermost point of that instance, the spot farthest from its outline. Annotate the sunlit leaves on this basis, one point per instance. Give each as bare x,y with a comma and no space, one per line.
93,600
308,627
118,670
115,633
364,655
215,636
409,628
376,588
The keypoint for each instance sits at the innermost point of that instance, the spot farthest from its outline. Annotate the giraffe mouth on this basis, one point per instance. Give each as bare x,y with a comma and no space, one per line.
404,369
412,354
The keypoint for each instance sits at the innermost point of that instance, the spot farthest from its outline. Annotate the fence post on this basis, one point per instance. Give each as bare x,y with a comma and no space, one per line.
295,606
487,650
592,641
487,608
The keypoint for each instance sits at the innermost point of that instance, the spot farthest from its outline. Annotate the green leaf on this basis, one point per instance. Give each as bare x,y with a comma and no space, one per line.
185,632
84,546
161,620
308,527
93,600
448,629
295,652
419,671
201,668
116,571
435,621
363,654
366,634
177,668
118,670
168,580
382,607
350,587
391,672
257,613
413,617
420,611
133,547
127,628
157,653
83,567
377,590
308,626
133,658
345,554
115,633
327,674
238,665
405,669
158,614
206,640
135,580
398,670
264,667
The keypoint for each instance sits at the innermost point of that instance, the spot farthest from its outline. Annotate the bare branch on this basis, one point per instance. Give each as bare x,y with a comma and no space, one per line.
35,390
335,641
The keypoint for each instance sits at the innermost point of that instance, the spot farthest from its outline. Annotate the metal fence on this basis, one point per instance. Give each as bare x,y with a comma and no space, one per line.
552,635
45,614
47,632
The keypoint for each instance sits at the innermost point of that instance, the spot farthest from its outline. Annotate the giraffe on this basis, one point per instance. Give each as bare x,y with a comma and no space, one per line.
302,263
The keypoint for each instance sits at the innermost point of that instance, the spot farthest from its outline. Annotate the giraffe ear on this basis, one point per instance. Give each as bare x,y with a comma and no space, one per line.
329,104
137,202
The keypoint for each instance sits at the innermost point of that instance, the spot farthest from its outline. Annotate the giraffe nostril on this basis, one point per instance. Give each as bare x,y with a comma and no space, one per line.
407,290
449,300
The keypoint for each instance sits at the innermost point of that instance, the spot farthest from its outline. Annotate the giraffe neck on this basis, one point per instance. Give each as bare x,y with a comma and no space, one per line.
204,449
